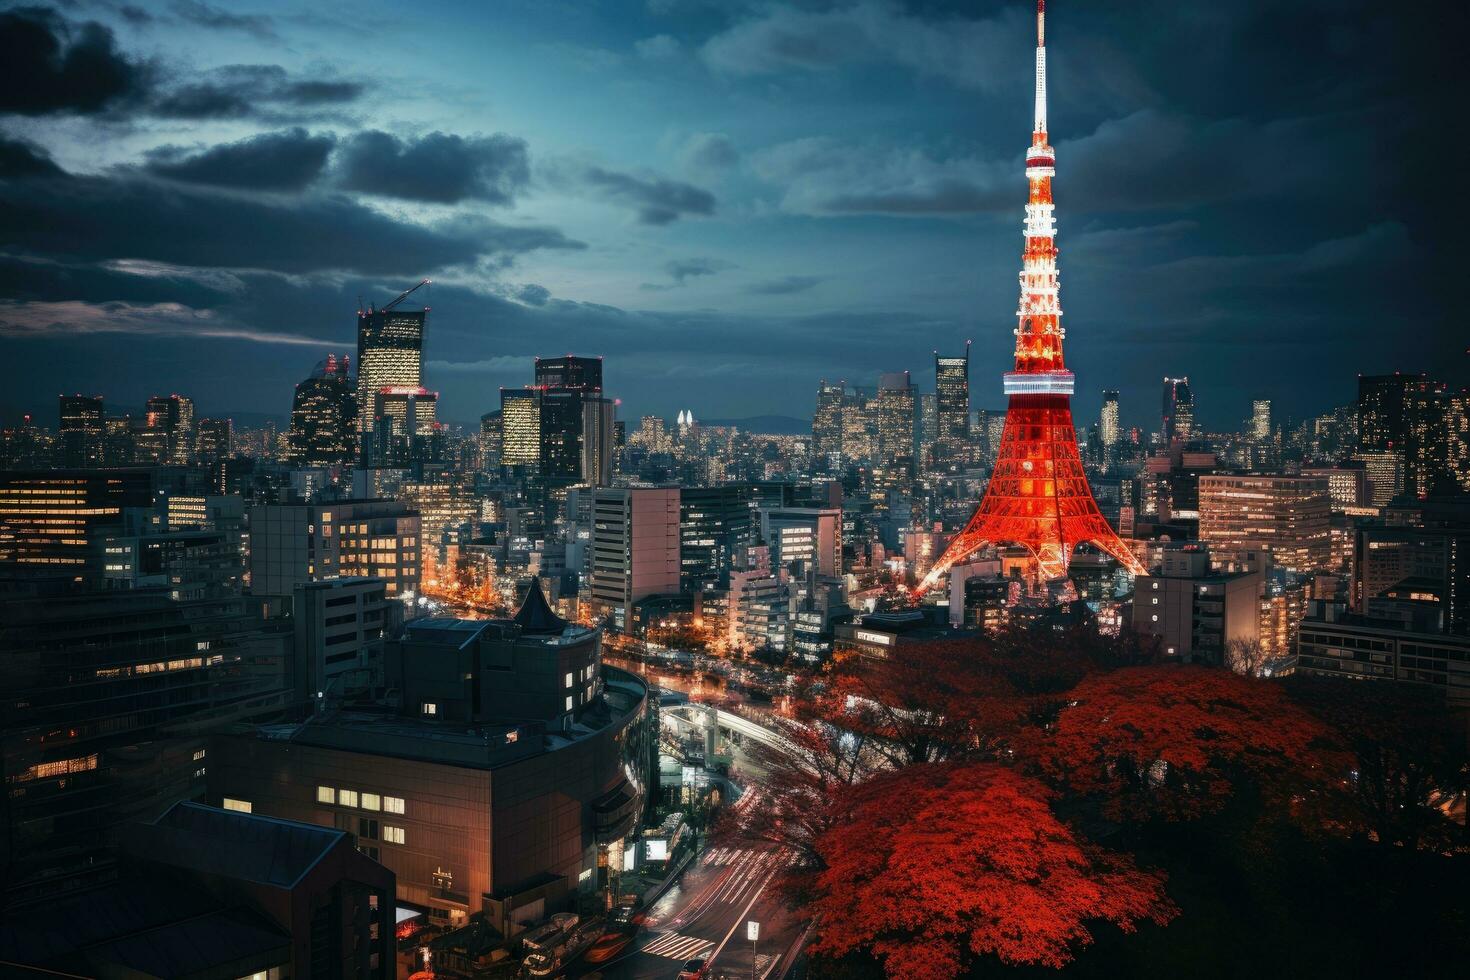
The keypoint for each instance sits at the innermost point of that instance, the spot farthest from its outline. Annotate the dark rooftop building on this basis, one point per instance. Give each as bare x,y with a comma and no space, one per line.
504,775
205,893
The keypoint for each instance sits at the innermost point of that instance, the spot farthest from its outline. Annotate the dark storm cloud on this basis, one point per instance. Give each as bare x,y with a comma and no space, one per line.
782,39
533,294
785,286
682,270
657,200
242,91
441,168
49,65
19,158
216,18
709,151
288,160
107,218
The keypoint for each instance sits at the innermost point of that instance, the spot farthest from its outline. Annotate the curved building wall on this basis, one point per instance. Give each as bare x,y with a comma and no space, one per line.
514,837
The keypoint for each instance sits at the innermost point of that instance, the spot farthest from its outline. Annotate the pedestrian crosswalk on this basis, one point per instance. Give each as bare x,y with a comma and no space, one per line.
677,946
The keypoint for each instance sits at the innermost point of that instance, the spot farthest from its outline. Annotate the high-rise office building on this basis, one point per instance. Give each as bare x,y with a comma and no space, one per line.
1381,403
520,426
1261,419
170,420
106,711
324,416
635,548
492,433
291,544
1107,421
52,520
561,435
390,347
926,424
952,387
714,524
81,429
859,426
1285,515
599,416
1428,406
1178,410
215,440
1385,475
827,422
577,373
894,409
810,535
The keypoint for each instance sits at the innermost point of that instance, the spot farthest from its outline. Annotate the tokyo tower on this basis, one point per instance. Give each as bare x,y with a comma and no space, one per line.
1038,495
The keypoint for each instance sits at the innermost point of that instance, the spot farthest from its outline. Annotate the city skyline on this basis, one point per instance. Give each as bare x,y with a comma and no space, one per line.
692,566
725,252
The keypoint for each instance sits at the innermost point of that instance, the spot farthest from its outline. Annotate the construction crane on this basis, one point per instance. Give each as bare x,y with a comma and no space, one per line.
404,295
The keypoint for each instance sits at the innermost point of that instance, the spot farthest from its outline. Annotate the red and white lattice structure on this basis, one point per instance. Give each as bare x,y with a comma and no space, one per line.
1038,496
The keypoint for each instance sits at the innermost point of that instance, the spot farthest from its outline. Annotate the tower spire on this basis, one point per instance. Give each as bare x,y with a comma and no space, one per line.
1039,131
1038,495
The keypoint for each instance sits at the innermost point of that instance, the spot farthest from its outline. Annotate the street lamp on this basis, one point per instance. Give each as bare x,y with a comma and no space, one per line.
753,932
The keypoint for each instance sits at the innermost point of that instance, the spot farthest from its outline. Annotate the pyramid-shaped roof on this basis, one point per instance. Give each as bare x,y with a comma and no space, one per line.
535,615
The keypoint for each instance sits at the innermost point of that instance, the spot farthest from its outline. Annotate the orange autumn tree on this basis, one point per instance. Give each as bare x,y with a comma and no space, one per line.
935,864
1176,742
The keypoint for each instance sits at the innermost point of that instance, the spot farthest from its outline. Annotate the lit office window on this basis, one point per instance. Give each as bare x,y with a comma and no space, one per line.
241,806
347,797
326,794
393,804
393,835
372,801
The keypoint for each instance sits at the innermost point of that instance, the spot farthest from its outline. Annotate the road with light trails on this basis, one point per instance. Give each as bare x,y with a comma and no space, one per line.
704,916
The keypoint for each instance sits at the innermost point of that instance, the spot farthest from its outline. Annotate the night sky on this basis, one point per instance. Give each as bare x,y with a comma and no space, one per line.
728,201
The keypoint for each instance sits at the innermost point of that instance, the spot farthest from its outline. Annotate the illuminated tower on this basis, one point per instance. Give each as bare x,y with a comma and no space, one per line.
390,350
1038,495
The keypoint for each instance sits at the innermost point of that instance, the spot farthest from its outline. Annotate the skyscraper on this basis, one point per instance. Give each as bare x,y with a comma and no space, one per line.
827,422
491,434
635,548
1261,419
1178,412
1286,515
895,416
1038,496
324,416
390,347
520,426
214,440
170,419
952,384
1381,400
578,373
1107,421
81,430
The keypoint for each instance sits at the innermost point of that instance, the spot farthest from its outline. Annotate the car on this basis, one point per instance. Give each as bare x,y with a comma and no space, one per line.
695,970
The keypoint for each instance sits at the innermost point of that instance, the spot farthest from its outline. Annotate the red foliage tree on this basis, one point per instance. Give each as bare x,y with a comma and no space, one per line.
1176,742
935,863
946,699
802,781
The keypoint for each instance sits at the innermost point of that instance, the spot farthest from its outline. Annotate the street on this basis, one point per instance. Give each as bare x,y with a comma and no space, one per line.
704,915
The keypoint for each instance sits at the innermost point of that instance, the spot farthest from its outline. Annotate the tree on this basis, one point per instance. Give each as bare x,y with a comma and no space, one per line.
1175,742
934,701
801,779
1408,751
933,863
